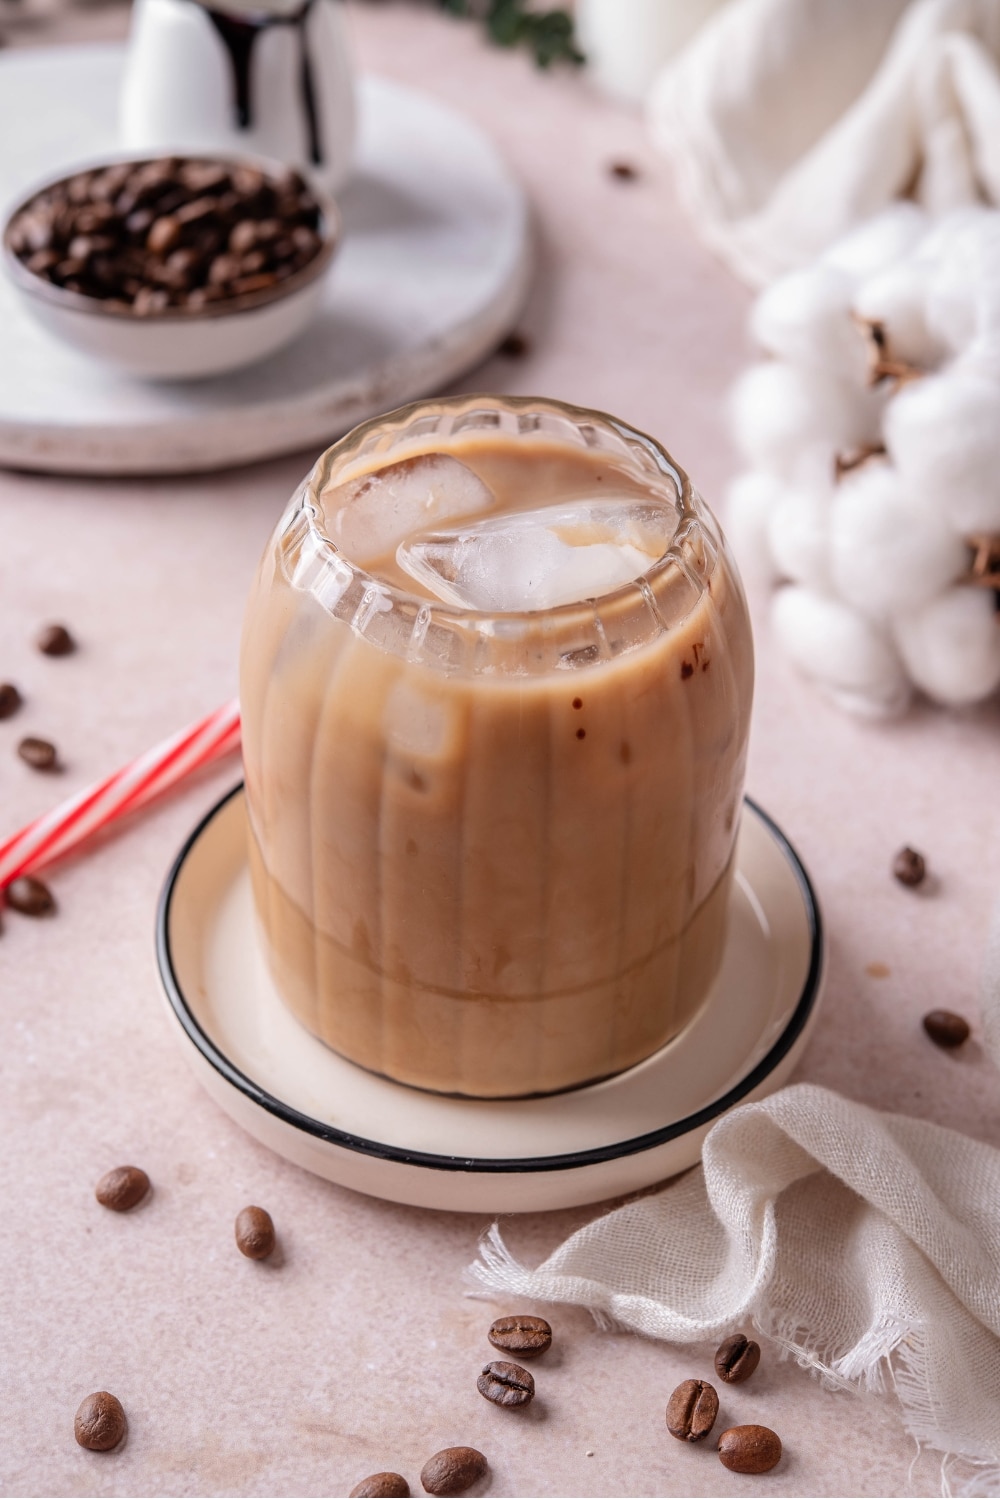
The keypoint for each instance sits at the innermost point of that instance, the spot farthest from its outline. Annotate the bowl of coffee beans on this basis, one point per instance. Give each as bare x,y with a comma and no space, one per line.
173,267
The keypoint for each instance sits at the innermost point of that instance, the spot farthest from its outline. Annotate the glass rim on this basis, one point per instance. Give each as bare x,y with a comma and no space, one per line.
691,508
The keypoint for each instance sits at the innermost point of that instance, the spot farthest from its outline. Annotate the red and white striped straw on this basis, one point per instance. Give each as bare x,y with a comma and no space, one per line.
55,833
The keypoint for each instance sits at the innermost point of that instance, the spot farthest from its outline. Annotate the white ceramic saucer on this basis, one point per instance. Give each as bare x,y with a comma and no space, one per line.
352,1127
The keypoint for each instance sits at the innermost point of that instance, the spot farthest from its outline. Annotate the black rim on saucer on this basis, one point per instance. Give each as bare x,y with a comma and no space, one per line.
561,1163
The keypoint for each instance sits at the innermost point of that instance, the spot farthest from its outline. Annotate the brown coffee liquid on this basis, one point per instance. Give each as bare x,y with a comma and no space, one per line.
490,884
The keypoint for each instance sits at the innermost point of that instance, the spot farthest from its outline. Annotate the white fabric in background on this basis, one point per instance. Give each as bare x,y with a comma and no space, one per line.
867,1244
789,121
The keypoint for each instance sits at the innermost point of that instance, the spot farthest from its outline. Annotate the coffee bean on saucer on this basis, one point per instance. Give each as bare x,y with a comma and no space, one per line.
521,1334
381,1487
453,1471
122,1188
55,640
946,1028
736,1358
692,1410
40,754
30,896
750,1449
505,1384
909,867
100,1422
254,1233
623,170
10,700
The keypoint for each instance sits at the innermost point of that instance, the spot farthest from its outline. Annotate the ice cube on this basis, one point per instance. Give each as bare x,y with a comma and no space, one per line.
538,559
368,517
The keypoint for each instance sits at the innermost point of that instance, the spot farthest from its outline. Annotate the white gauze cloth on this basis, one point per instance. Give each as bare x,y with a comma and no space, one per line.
867,1244
789,121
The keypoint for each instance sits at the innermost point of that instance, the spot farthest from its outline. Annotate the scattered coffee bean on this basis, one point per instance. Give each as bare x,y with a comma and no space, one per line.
750,1449
946,1028
521,1334
624,171
147,236
909,867
100,1422
453,1471
254,1233
122,1188
505,1384
30,896
10,700
692,1410
41,754
381,1486
736,1358
55,640
514,346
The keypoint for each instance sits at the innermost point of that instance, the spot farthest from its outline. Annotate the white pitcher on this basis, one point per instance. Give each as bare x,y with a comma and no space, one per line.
272,79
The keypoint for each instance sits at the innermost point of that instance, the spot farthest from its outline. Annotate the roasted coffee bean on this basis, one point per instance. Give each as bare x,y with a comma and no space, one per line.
505,1384
40,754
100,1422
122,1188
164,234
453,1471
377,1486
10,700
750,1449
254,1233
514,346
521,1334
736,1358
909,867
623,170
692,1410
243,237
29,895
946,1028
55,640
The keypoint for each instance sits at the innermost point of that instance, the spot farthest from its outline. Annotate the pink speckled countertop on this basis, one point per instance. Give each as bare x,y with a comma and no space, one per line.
359,1350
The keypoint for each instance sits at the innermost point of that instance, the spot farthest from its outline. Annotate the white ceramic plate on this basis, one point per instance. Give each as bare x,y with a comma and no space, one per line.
431,272
353,1127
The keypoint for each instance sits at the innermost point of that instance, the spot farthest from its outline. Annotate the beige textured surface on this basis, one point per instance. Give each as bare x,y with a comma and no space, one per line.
359,1350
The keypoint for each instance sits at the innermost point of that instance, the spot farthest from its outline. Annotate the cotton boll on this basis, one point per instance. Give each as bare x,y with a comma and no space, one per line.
799,536
897,298
805,318
778,410
951,647
749,502
845,653
943,434
879,241
885,554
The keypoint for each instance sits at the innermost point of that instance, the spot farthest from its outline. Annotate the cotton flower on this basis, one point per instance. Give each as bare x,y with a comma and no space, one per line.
884,558
856,662
872,436
943,434
778,408
805,318
951,646
749,501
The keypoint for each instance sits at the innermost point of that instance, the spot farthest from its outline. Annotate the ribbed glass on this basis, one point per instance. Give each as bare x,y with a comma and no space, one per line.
456,887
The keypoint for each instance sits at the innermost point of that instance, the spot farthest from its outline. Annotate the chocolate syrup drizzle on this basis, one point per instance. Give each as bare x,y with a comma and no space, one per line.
239,34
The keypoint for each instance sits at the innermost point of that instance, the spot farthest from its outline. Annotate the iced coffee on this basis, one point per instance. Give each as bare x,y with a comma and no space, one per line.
495,686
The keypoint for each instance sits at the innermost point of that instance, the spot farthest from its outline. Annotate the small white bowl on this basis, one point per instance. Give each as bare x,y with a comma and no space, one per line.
176,344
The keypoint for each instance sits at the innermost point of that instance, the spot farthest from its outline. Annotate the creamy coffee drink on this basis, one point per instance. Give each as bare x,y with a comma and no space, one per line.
495,688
